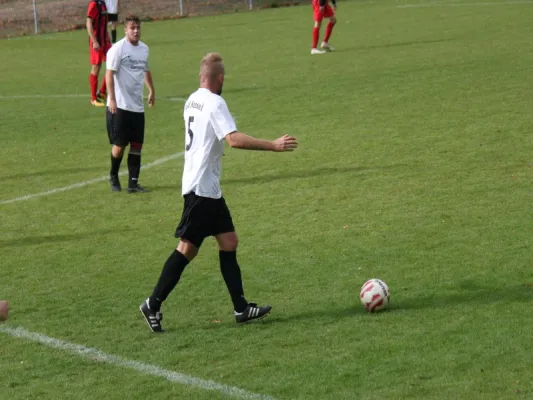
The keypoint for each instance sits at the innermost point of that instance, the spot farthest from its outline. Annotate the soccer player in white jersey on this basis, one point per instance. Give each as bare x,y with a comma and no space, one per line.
127,71
112,16
208,124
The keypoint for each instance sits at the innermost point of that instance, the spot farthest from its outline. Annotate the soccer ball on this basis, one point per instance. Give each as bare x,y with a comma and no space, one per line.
375,295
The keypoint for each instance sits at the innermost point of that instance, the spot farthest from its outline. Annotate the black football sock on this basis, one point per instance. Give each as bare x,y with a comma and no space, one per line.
134,168
113,35
115,165
232,276
168,279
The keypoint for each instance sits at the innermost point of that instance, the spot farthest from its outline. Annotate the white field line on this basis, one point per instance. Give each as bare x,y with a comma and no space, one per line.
89,182
146,369
503,3
60,96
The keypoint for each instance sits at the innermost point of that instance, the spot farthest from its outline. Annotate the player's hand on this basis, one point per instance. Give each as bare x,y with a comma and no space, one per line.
322,8
151,99
113,106
285,143
96,45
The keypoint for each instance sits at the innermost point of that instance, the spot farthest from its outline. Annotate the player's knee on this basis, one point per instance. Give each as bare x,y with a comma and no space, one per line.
318,24
136,147
234,243
231,243
333,20
228,241
95,69
188,249
117,151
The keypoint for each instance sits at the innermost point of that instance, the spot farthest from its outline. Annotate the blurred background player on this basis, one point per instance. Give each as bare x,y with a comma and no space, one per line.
99,44
321,10
127,71
112,16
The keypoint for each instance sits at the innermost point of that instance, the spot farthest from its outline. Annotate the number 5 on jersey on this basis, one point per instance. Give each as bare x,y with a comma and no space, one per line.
189,131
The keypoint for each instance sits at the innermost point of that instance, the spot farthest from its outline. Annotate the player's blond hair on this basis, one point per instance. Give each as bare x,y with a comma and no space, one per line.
211,66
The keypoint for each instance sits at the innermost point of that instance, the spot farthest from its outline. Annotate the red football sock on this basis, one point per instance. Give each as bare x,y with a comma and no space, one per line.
316,33
103,88
329,29
93,80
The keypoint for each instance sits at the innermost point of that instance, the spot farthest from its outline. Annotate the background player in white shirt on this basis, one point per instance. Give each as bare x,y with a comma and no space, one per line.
112,15
127,72
208,124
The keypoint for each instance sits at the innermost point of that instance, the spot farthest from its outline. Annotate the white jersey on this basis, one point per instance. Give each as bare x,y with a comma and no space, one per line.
207,122
112,6
129,63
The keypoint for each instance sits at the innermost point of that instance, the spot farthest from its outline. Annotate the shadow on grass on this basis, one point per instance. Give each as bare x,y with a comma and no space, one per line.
305,173
52,172
470,294
229,89
299,174
243,89
47,239
324,315
473,295
397,44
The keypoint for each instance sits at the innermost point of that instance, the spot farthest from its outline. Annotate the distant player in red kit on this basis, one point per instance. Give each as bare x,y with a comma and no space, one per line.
321,10
99,44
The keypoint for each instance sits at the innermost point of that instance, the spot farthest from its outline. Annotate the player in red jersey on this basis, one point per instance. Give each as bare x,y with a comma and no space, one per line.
321,10
99,44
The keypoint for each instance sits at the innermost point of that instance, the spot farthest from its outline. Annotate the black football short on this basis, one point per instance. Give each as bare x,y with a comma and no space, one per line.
203,217
125,127
112,17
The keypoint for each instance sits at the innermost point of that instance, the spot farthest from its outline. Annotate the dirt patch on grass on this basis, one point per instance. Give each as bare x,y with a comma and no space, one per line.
17,16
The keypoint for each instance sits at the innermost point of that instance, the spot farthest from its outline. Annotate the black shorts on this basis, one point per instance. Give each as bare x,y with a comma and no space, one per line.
112,17
203,217
125,127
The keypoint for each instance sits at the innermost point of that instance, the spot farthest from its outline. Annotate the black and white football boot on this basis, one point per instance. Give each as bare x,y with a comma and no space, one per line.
153,318
115,183
137,189
252,312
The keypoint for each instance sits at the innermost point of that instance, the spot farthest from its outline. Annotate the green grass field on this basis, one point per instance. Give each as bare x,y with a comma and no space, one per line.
414,166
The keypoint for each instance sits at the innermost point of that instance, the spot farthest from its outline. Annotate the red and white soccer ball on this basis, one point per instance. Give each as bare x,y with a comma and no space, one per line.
375,295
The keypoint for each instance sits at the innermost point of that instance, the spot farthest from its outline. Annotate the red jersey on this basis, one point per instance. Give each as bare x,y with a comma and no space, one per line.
97,12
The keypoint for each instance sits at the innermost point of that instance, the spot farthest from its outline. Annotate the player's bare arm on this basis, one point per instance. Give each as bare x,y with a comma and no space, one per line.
239,140
109,75
90,31
148,81
4,310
